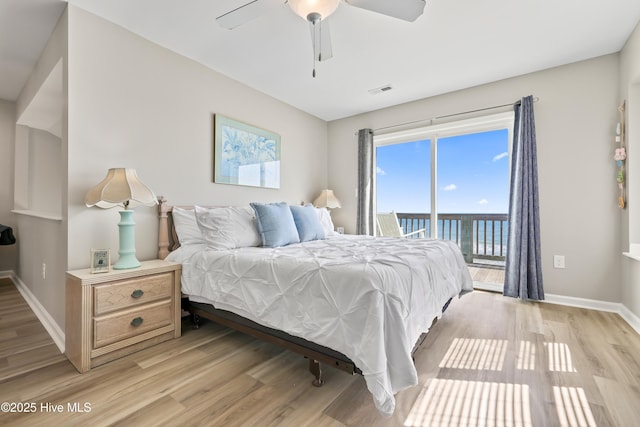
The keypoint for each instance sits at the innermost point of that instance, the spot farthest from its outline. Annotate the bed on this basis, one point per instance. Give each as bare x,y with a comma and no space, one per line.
358,303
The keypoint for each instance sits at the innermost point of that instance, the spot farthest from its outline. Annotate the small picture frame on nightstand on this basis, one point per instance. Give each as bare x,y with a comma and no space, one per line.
100,260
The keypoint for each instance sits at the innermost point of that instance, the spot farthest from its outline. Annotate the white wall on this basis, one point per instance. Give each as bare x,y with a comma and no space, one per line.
42,241
630,233
8,254
45,172
135,104
575,118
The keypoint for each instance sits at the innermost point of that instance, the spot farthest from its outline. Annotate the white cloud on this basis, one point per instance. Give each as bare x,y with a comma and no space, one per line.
379,171
500,156
483,202
450,187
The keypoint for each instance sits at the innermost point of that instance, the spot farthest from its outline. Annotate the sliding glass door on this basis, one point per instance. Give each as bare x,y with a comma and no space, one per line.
451,179
403,181
473,193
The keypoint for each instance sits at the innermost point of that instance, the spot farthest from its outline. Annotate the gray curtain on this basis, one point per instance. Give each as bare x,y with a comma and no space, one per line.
523,271
365,219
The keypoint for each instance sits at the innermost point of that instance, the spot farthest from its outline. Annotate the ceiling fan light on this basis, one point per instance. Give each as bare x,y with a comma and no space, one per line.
304,8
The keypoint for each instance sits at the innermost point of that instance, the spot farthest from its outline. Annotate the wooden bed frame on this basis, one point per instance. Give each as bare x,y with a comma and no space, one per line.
168,242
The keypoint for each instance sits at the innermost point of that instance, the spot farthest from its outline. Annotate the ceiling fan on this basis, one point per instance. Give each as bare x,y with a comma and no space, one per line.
316,11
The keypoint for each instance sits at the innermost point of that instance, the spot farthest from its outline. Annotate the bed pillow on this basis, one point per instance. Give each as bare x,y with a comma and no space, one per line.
228,228
275,224
325,219
307,223
184,221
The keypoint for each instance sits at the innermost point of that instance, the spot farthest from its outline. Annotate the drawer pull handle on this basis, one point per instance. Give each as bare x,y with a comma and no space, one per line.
137,321
137,293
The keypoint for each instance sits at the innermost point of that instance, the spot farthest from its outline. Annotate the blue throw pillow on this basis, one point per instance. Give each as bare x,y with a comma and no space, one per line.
308,223
275,224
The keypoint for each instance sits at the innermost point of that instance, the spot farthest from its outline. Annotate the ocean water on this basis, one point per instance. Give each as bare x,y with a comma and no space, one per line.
450,230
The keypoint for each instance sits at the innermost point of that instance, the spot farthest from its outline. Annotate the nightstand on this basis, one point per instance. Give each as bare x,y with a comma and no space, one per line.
109,315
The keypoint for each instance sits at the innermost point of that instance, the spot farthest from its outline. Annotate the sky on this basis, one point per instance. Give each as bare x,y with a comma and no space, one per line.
472,175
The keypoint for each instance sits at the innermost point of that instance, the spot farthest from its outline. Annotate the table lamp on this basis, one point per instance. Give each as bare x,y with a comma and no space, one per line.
121,187
326,199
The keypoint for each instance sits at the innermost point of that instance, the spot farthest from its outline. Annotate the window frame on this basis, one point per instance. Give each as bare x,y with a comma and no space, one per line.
432,133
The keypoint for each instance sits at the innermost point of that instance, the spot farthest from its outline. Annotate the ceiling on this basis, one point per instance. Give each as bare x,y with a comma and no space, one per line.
455,44
25,27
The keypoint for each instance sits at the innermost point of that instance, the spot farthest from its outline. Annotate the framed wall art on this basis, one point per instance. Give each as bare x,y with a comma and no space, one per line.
244,154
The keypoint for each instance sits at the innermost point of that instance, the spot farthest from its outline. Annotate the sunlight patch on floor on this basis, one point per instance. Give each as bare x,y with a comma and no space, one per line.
559,357
573,407
526,356
481,354
471,403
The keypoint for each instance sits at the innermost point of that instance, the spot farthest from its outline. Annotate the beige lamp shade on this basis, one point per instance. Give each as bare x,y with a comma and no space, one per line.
121,187
326,199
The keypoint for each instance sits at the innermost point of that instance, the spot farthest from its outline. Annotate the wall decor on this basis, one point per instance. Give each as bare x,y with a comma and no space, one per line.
245,154
620,155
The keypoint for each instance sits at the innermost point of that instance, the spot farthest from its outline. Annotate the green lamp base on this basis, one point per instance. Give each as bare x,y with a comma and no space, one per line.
127,251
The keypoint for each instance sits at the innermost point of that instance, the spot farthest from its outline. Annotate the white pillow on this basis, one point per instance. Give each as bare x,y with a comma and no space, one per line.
228,228
184,221
325,220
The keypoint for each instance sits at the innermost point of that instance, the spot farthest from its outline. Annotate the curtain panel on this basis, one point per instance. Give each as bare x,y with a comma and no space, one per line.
365,215
523,270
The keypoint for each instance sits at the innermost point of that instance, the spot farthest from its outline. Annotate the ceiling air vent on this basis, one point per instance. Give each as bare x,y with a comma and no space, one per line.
385,88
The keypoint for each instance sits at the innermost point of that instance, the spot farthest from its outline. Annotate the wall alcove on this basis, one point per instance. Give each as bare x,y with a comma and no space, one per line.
38,151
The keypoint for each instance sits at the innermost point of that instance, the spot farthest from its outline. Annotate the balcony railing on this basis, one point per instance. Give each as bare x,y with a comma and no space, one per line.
481,237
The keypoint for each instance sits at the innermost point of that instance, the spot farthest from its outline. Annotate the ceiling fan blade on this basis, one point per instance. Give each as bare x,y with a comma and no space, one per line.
247,12
321,39
408,10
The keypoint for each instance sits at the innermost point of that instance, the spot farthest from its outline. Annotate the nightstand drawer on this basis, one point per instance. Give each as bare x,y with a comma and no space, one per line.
129,293
119,326
119,312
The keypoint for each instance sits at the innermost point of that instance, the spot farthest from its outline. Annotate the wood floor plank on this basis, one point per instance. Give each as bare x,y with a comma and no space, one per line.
260,405
27,385
215,375
288,374
614,393
27,361
24,343
154,414
212,403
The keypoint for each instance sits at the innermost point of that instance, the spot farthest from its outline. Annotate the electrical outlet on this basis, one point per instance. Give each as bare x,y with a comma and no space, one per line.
44,270
558,261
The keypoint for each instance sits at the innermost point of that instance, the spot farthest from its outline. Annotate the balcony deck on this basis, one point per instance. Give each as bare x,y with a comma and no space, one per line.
487,276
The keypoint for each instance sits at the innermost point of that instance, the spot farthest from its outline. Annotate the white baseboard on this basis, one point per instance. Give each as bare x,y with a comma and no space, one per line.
612,307
591,304
630,318
50,325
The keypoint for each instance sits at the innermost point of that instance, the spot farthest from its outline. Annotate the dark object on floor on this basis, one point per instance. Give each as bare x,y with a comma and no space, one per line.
6,235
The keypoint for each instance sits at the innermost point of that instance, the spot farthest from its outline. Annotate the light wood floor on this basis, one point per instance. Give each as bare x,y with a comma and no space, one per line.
491,276
24,343
489,361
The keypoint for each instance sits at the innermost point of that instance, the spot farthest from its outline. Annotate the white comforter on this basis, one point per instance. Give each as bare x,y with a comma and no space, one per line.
368,298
